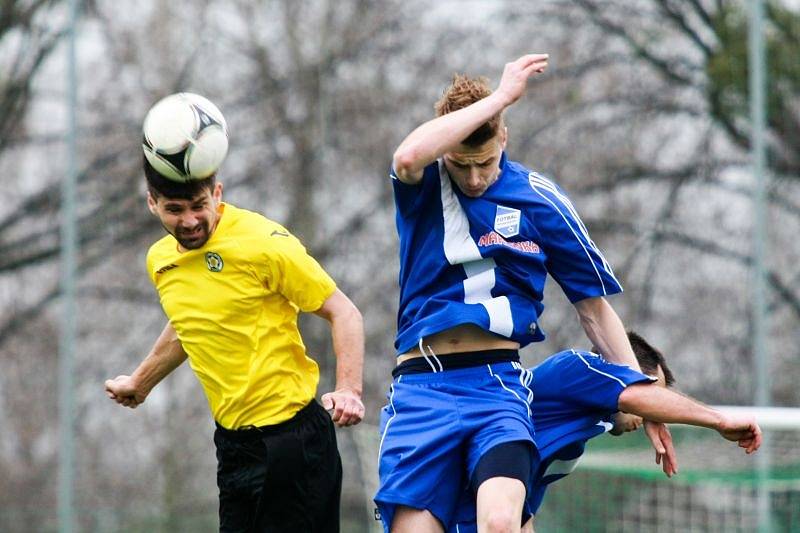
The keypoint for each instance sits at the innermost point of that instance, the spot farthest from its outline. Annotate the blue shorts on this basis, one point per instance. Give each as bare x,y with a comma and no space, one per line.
436,426
576,394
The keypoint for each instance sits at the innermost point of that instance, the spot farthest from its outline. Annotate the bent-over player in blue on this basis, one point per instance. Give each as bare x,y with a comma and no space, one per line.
579,396
479,234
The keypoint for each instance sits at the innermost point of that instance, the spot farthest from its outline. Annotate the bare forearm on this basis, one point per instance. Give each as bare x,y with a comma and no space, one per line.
166,355
604,328
443,134
347,331
663,405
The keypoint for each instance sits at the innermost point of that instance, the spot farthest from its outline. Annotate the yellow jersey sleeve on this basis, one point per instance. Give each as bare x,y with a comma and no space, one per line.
149,266
293,273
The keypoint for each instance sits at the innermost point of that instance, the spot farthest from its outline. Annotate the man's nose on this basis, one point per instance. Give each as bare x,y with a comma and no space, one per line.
474,175
188,220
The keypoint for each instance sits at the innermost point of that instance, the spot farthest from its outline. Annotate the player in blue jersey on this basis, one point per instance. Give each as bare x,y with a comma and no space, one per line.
580,396
479,234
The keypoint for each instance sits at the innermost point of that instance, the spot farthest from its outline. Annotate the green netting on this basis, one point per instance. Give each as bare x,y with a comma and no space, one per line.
618,487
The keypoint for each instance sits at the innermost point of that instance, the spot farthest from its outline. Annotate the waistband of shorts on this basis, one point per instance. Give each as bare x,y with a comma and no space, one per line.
435,364
254,432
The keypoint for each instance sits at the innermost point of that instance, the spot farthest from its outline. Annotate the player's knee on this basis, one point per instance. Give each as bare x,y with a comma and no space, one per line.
500,520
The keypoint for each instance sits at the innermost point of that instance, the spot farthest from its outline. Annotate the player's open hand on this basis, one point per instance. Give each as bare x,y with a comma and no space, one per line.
125,391
345,406
661,439
741,429
516,74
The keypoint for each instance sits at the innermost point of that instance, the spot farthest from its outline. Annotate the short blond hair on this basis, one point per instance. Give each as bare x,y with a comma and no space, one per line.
464,91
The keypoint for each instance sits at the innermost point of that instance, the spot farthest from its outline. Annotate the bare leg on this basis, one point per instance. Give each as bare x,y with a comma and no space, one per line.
500,501
410,520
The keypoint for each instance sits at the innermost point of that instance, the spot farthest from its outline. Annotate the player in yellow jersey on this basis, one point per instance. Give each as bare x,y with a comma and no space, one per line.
231,283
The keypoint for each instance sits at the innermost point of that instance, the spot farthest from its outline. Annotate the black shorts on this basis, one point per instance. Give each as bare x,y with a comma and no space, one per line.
282,478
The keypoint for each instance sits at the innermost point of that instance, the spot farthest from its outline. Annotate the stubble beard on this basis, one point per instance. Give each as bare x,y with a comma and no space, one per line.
193,243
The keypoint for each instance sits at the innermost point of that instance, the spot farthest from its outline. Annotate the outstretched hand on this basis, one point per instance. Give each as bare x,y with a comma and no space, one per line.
125,391
345,406
741,429
661,439
516,74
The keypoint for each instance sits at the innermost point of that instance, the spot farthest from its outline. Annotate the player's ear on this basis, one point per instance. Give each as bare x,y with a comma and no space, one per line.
151,203
503,137
217,192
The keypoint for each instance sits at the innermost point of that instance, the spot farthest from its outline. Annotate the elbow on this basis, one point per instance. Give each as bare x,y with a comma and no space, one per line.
348,314
355,317
590,310
404,161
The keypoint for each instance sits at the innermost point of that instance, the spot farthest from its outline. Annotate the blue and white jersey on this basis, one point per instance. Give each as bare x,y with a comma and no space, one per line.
484,260
576,395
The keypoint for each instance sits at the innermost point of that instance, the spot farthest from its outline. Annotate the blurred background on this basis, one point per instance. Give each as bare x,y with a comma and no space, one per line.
643,117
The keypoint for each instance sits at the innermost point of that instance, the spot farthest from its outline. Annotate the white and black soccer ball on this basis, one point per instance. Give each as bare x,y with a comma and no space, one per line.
185,137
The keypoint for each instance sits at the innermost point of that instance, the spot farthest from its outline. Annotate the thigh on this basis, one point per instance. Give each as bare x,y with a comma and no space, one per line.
499,412
302,486
324,473
241,470
409,520
500,501
421,462
506,462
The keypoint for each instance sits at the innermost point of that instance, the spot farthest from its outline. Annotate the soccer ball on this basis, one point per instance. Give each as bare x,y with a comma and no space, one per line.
185,137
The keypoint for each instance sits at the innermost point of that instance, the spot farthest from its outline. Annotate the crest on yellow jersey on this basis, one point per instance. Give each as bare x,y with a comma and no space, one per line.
214,262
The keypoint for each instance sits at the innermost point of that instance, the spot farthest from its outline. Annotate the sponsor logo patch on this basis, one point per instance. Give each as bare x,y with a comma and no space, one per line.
214,262
493,238
506,221
166,268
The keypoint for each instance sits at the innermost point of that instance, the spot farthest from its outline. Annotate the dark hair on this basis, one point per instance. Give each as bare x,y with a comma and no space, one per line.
464,91
158,185
650,358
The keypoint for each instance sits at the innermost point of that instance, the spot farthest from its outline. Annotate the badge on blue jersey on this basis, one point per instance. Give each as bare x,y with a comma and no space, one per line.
506,221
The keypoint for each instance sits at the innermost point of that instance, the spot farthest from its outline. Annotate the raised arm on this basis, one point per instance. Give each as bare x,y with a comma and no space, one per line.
663,405
443,134
166,355
347,330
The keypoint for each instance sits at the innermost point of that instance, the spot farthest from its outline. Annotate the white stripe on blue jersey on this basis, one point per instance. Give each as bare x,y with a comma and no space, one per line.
541,180
459,247
537,183
559,467
593,369
480,280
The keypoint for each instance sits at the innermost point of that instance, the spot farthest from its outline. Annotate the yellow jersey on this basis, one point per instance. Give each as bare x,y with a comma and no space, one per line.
234,304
